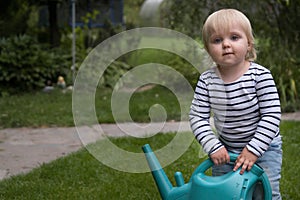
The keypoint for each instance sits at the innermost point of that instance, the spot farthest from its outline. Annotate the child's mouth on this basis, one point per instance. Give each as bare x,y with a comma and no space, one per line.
228,53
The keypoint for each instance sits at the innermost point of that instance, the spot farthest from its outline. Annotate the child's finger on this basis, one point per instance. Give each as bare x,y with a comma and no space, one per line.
244,167
238,163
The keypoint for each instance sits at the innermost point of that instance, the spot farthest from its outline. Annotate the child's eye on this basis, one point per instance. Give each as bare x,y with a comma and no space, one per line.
217,40
235,37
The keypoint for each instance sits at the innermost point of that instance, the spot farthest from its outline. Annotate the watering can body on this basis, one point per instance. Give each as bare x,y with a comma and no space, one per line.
202,187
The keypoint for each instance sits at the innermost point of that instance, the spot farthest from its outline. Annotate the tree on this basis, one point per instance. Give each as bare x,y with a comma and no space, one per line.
12,15
53,23
270,18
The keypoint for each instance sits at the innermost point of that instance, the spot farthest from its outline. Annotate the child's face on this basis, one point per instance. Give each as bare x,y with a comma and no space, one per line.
228,47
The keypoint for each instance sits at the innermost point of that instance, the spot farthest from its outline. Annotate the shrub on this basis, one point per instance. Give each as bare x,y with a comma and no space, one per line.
284,65
26,65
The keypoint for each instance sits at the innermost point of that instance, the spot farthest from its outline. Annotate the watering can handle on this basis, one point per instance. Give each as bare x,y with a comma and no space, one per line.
208,164
204,166
266,185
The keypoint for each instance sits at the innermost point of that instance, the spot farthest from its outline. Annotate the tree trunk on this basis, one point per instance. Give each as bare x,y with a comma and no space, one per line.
53,25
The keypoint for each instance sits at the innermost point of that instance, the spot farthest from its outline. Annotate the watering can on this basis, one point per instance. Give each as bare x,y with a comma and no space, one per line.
232,185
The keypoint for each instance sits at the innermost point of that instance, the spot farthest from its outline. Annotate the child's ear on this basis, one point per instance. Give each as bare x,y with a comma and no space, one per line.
249,46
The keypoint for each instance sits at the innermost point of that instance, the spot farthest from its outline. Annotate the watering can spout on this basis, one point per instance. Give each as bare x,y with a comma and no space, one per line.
163,183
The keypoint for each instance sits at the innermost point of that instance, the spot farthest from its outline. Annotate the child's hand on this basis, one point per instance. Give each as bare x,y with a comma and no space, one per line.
220,157
246,159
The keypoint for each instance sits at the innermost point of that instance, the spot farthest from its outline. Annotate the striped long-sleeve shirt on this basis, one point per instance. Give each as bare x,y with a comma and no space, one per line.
246,112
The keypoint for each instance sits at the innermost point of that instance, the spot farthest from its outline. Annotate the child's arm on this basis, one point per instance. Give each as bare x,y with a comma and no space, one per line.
199,120
270,114
268,126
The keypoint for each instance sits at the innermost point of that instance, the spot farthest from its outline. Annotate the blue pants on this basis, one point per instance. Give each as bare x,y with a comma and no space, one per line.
271,162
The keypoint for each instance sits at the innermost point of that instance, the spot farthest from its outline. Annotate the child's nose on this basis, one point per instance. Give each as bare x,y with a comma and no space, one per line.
226,43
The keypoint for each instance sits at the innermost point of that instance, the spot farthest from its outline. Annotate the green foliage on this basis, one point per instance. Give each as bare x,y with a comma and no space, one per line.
184,16
13,15
26,65
112,75
285,69
33,65
87,39
186,69
131,13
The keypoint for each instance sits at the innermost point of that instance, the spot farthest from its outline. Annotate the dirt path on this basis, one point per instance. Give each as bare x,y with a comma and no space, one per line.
22,149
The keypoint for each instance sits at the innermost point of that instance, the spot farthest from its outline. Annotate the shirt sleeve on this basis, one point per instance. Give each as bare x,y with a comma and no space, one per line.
199,119
270,114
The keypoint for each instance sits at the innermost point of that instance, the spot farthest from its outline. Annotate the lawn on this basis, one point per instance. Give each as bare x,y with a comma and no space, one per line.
55,109
80,176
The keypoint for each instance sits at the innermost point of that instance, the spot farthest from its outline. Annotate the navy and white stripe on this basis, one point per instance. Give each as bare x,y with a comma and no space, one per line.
246,112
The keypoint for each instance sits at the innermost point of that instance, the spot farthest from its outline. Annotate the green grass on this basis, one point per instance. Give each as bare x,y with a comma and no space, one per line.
290,182
36,109
81,176
140,104
55,109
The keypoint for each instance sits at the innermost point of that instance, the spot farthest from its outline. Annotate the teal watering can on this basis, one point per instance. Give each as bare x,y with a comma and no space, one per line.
232,185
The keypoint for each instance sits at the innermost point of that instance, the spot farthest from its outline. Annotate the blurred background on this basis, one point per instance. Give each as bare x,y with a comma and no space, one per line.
36,38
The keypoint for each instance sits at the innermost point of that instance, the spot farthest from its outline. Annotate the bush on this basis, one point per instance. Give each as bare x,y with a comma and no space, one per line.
284,65
26,65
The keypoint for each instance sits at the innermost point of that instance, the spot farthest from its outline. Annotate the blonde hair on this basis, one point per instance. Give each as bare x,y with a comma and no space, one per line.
222,20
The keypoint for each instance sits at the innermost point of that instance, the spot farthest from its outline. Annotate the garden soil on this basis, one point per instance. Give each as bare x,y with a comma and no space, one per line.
22,149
